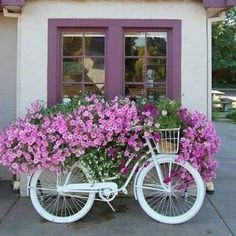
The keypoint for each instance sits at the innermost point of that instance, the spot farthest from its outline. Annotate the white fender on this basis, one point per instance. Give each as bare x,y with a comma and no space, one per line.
28,184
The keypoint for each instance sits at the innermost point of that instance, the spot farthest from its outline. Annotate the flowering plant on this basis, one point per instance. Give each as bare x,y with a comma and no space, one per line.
47,138
103,136
160,115
199,143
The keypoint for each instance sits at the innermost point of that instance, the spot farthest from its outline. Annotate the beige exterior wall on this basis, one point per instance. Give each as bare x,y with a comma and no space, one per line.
33,47
8,50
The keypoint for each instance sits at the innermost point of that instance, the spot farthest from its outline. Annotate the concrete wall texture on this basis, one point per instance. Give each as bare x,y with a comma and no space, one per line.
8,50
8,47
33,46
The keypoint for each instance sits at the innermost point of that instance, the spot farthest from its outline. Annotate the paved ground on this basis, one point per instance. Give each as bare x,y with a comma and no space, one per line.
4,174
216,218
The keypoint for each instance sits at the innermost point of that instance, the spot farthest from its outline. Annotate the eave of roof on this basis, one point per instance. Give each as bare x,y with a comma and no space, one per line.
219,3
206,3
18,3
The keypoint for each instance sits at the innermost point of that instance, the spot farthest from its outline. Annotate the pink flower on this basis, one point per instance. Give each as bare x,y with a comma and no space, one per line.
199,144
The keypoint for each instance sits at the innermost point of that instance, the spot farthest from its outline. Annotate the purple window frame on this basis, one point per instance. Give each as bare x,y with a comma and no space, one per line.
114,60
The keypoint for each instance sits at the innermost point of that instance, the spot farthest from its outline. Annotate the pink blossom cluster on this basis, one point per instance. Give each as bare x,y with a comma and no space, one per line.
49,139
38,141
199,143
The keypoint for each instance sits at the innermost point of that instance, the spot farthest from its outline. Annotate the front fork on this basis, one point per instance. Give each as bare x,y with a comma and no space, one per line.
160,174
165,186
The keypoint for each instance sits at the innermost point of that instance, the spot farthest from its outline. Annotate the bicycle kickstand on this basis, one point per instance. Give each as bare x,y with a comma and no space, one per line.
109,204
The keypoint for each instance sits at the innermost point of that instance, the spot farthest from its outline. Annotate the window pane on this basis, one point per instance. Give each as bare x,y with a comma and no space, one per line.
72,45
156,43
135,44
155,92
95,88
72,90
136,92
156,70
94,44
134,70
94,70
72,70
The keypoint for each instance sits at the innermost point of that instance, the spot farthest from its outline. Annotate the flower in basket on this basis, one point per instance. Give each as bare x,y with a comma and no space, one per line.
164,113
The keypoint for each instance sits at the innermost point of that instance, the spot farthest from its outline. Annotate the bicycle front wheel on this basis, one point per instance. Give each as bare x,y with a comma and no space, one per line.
59,207
182,200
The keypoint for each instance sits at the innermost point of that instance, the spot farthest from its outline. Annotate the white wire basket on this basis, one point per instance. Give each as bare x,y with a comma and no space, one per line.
168,143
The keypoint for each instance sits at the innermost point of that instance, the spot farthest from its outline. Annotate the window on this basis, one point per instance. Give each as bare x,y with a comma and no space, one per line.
83,62
116,57
145,60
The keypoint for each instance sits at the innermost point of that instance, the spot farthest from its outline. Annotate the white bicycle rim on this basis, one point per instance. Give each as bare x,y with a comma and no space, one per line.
55,207
189,198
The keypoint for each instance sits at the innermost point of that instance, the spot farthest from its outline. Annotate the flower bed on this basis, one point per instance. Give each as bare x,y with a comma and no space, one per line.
103,136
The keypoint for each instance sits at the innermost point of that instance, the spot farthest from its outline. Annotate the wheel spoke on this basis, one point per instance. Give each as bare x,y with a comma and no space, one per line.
45,189
181,195
151,188
57,206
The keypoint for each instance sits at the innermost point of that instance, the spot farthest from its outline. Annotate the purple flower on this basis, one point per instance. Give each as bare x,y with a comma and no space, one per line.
111,151
185,116
199,144
156,136
150,109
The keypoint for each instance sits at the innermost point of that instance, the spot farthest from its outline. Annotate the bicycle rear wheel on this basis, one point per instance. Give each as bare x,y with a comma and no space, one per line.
59,207
181,202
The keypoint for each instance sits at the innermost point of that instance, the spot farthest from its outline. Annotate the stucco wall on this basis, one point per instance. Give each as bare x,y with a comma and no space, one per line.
8,42
8,45
33,48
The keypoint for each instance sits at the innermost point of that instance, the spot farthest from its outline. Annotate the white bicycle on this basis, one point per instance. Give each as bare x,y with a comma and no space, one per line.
167,190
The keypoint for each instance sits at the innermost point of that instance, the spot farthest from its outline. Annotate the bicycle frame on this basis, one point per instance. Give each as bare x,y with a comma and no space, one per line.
153,157
96,187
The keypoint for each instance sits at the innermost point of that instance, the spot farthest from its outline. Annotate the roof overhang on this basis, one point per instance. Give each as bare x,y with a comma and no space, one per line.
12,5
206,3
16,5
214,7
19,3
219,3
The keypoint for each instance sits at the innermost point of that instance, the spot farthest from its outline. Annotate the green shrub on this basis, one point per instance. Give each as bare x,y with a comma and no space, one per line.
215,116
232,116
